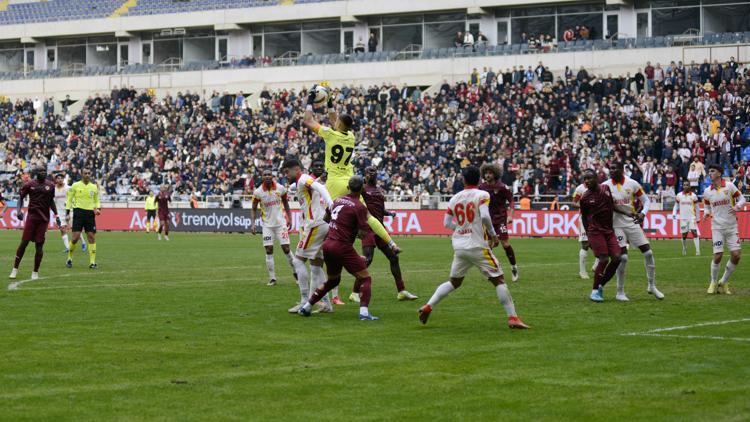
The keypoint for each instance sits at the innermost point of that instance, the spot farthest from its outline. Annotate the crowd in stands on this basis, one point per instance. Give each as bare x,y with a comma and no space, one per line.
666,123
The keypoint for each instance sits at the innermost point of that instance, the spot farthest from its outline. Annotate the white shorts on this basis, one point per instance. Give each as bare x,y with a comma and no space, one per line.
311,240
632,234
687,226
275,234
725,237
482,258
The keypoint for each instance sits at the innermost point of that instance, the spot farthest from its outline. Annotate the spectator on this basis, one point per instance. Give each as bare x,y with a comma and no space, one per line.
360,47
372,43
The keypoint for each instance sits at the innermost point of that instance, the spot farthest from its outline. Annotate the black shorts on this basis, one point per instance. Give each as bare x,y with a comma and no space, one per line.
150,214
84,220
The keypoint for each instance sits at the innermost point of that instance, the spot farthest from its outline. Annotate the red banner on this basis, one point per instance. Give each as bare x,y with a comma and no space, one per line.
658,224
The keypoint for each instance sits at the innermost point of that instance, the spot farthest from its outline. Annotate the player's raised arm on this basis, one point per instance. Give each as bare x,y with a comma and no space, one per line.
309,118
317,187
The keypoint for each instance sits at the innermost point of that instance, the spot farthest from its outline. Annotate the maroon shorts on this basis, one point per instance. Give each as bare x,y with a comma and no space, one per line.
501,230
163,217
340,255
34,230
372,240
603,243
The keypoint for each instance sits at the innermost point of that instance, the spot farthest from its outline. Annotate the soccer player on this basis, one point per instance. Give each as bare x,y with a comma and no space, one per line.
61,197
318,169
41,193
583,238
597,208
687,203
150,208
470,209
339,148
83,200
314,200
162,205
627,223
375,202
272,196
501,210
722,201
348,220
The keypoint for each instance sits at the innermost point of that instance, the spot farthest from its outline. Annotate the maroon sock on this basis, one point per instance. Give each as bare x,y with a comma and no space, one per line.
19,256
365,291
599,271
400,286
357,286
610,271
323,290
511,255
38,259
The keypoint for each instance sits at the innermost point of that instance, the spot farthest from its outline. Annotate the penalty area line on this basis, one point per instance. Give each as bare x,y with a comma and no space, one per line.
687,336
659,332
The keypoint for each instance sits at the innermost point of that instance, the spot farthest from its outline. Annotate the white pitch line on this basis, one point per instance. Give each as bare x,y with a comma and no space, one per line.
688,336
684,327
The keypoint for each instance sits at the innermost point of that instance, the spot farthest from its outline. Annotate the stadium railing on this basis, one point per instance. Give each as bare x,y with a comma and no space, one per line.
412,52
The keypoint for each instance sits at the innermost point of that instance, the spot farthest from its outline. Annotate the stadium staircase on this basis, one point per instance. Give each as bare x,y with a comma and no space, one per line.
124,8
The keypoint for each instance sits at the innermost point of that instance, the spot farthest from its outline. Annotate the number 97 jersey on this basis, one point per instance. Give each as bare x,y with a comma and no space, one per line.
339,151
464,208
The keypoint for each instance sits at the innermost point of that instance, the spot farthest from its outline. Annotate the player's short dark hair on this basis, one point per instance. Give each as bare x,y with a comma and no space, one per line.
471,175
494,168
716,167
589,173
356,183
617,165
267,170
346,120
290,162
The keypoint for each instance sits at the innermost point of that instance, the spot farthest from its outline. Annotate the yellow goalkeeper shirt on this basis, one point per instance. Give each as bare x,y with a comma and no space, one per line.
339,151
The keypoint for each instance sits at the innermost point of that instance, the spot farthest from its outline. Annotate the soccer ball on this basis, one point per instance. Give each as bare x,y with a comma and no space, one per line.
321,94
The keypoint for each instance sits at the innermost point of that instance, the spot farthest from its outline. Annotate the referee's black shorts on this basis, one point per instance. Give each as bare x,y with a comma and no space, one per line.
84,220
150,215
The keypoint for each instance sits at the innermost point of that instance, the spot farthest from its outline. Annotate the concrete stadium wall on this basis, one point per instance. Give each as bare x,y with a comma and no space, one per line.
413,72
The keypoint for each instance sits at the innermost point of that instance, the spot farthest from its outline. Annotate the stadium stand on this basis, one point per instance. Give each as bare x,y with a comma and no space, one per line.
660,122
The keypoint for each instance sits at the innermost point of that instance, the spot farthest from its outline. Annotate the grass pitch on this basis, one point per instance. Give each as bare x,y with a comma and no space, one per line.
188,330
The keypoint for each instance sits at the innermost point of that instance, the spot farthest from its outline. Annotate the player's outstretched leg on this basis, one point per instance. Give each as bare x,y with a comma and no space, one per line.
441,292
734,260
20,251
306,308
402,293
715,265
318,279
365,293
303,282
503,294
649,262
621,296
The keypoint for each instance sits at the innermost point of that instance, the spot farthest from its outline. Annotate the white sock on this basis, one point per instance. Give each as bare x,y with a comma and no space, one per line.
504,295
363,310
684,243
596,262
318,277
66,242
648,259
442,291
697,243
303,279
335,291
289,259
271,267
582,261
728,272
307,305
621,273
714,271
83,241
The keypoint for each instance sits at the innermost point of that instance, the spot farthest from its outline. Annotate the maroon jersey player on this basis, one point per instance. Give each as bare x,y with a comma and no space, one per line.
41,193
597,207
162,200
375,201
348,220
501,210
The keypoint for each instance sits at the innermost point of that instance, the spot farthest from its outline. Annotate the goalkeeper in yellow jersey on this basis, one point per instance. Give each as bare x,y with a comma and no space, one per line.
339,149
